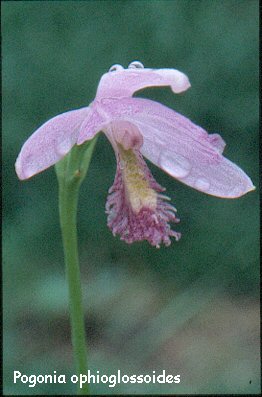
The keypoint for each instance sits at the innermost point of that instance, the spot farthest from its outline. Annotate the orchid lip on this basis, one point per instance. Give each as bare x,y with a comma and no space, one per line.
136,210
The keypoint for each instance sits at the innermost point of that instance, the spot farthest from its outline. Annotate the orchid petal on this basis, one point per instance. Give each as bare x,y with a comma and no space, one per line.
182,149
50,143
125,82
92,124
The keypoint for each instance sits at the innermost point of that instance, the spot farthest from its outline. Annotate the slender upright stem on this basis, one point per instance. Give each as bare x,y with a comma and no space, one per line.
68,198
71,171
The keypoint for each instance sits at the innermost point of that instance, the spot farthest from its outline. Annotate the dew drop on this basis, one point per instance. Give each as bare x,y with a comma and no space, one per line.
177,165
237,190
202,184
121,164
136,65
116,67
63,148
158,141
217,142
30,169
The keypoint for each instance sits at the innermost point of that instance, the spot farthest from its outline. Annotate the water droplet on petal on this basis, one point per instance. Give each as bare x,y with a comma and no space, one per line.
63,148
176,165
116,67
158,141
30,169
202,184
121,164
136,65
236,191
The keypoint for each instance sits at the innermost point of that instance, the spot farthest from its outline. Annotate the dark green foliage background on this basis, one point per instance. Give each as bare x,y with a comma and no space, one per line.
141,303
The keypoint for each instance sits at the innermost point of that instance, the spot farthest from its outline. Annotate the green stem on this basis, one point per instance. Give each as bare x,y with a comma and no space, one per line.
68,207
71,172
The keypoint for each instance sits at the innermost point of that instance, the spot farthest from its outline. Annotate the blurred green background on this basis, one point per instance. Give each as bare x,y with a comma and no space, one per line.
192,308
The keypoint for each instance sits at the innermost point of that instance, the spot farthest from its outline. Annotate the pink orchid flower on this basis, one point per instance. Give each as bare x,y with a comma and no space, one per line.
139,127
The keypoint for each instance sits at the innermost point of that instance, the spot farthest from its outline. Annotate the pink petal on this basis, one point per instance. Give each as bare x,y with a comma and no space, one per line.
182,149
125,82
92,124
50,143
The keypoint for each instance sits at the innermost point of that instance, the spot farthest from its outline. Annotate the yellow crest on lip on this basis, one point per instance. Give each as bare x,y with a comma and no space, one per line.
138,190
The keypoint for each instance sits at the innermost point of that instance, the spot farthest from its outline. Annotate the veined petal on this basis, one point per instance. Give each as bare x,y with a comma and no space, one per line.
182,149
50,142
122,83
92,124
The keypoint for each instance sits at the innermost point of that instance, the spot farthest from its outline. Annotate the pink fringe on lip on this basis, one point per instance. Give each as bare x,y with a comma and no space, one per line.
148,224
